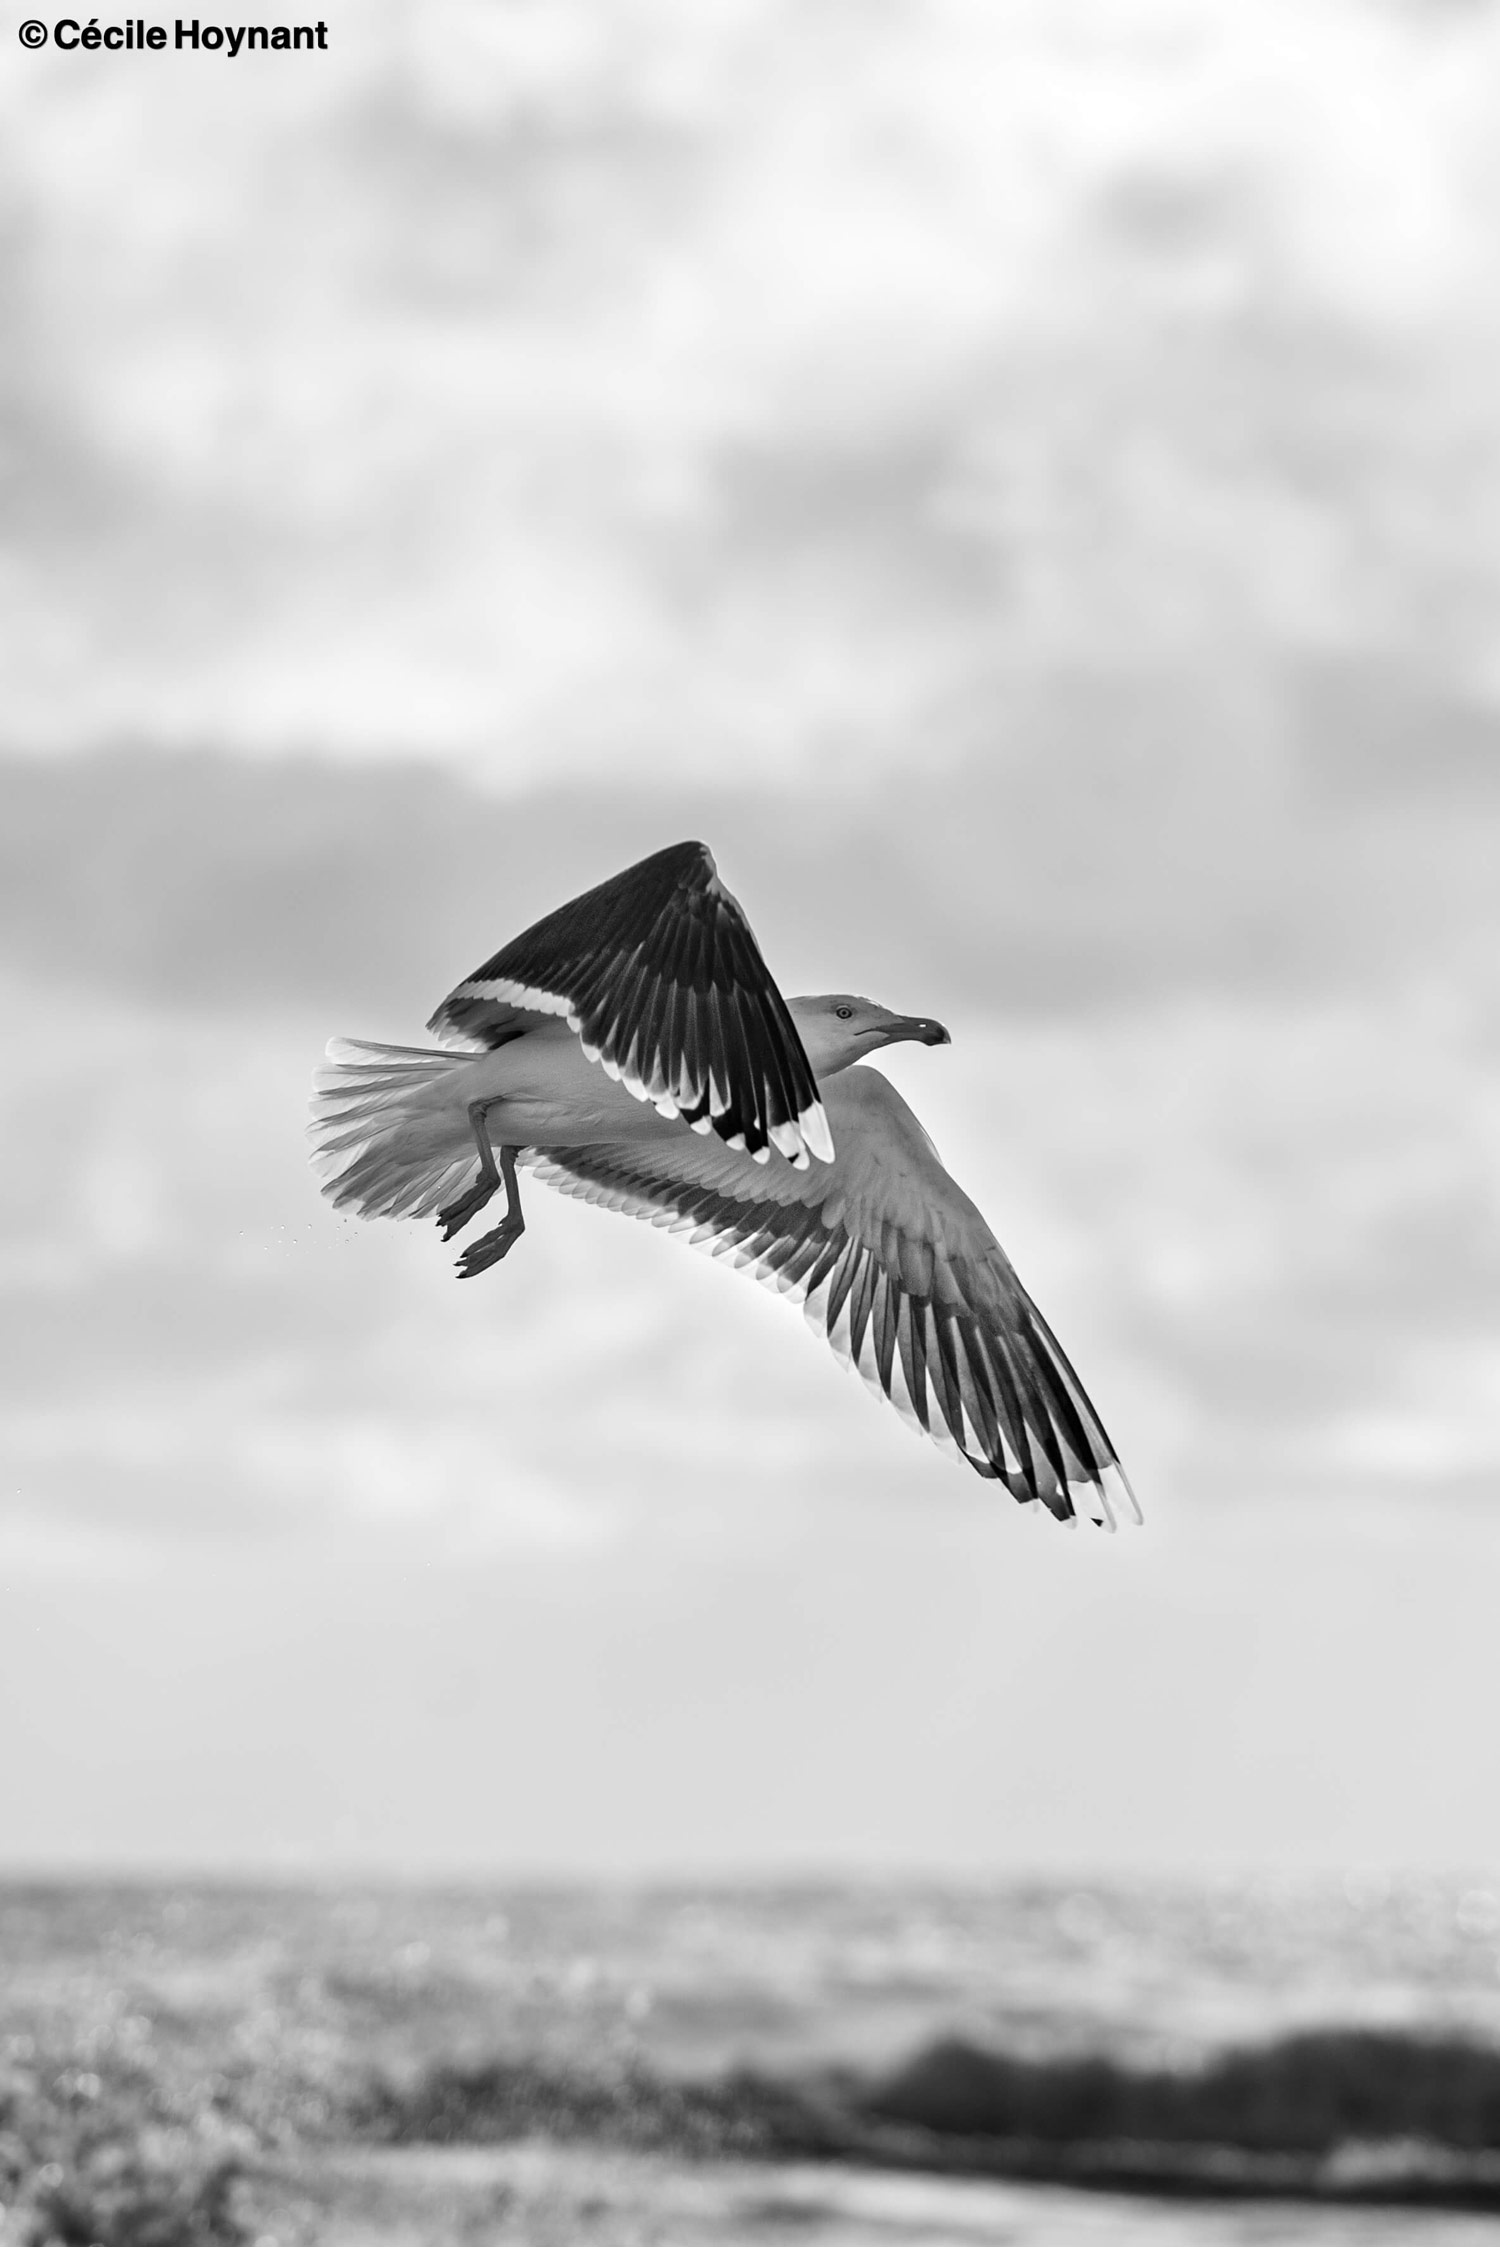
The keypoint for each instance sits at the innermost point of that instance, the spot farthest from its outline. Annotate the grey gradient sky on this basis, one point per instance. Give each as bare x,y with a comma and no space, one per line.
1021,483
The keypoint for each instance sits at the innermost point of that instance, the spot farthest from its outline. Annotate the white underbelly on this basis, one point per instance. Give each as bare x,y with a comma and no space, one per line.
543,1092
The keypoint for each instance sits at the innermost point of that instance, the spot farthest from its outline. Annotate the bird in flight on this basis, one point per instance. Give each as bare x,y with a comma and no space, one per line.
631,1049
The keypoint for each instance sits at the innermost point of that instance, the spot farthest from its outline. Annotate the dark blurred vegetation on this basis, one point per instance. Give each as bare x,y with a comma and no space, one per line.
111,2159
741,2112
104,2159
1333,2114
1308,2093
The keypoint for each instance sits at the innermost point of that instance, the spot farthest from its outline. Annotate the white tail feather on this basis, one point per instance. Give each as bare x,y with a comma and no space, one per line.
389,1137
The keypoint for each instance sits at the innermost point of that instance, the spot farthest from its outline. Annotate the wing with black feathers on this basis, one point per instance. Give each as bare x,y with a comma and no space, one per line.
896,1268
659,974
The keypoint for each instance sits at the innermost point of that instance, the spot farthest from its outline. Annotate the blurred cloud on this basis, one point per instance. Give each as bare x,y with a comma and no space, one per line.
925,1687
1104,837
542,386
1021,482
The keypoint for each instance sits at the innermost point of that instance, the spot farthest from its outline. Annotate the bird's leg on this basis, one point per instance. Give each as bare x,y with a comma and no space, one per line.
457,1214
490,1247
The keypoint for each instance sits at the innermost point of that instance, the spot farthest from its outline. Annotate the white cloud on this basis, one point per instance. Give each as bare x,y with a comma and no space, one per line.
1076,331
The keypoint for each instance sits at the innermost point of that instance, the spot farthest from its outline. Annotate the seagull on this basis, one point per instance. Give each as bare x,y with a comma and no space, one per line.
632,1050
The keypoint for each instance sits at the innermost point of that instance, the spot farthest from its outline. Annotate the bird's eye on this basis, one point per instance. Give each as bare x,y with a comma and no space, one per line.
844,1013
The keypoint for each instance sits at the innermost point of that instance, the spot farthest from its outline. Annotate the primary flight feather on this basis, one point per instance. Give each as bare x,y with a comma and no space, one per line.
632,1049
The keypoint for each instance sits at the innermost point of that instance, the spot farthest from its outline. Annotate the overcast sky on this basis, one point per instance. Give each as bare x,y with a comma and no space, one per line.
1021,482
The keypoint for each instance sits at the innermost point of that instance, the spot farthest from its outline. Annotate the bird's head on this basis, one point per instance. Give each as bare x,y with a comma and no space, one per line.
837,1029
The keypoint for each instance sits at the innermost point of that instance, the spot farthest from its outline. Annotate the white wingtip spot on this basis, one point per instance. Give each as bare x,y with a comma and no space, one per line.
787,1140
813,1124
701,1125
1090,1501
760,1154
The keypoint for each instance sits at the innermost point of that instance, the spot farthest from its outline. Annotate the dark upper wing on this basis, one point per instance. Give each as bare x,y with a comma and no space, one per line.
660,976
898,1270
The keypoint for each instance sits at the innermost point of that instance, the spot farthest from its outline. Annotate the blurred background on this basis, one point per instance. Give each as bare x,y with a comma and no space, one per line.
1021,482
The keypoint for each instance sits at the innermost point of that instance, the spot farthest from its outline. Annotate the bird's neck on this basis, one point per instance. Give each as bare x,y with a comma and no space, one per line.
825,1041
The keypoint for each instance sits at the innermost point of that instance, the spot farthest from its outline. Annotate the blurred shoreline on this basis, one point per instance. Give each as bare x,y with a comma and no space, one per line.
200,2040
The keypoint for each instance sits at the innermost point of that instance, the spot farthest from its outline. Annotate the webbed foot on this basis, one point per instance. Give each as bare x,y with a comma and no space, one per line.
457,1214
489,1248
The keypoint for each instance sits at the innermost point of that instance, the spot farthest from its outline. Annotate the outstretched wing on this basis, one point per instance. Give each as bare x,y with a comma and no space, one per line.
659,974
896,1267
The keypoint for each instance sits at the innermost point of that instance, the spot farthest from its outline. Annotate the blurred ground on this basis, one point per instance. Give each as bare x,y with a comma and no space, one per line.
231,2066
